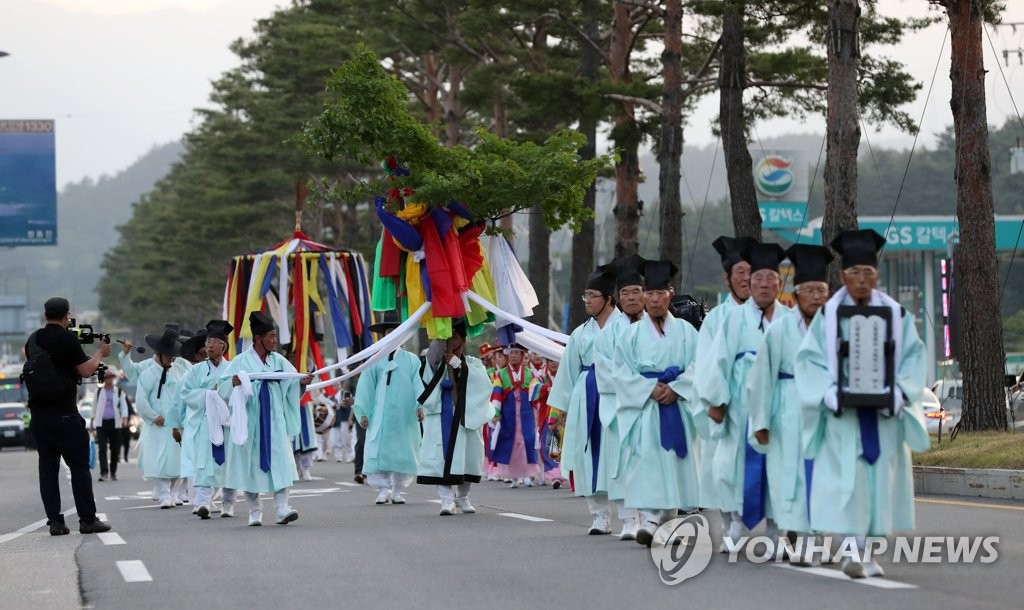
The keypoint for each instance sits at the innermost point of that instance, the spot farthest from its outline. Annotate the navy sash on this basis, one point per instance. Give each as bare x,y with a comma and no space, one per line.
742,354
868,419
264,424
673,433
785,375
447,412
305,427
593,422
808,473
755,484
218,454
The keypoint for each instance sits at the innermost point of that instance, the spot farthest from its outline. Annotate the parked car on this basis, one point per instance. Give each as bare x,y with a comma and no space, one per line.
934,414
950,394
12,430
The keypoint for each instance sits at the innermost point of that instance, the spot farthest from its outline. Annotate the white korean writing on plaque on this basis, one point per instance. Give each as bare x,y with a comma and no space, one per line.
867,355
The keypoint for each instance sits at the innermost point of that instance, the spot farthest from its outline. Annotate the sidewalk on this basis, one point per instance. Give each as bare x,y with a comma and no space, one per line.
40,571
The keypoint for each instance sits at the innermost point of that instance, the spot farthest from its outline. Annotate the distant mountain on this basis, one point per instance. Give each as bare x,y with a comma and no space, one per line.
88,213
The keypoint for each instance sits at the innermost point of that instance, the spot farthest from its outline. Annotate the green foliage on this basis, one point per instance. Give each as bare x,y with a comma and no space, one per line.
366,118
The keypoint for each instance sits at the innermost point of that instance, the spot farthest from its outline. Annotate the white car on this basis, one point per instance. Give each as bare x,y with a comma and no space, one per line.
934,415
12,429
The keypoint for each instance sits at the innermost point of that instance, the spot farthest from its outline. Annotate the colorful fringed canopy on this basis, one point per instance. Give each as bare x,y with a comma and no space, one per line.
290,281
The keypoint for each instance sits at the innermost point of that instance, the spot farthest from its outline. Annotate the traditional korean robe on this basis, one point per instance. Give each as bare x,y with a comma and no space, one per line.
722,379
198,458
575,392
452,447
774,405
612,454
161,458
849,495
386,396
278,403
511,394
660,470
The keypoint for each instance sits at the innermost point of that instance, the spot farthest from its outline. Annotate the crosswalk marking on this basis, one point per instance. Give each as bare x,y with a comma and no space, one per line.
524,517
110,538
880,583
134,571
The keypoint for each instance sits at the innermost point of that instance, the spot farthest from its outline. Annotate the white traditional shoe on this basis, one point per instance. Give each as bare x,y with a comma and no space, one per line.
227,510
306,476
872,568
601,525
382,497
514,484
853,569
203,512
447,508
255,518
528,482
397,498
168,503
463,503
286,517
195,510
645,533
629,529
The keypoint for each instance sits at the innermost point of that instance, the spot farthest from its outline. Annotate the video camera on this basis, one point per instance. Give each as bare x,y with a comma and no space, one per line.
86,335
686,307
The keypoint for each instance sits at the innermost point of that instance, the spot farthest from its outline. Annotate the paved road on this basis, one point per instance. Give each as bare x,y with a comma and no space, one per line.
345,551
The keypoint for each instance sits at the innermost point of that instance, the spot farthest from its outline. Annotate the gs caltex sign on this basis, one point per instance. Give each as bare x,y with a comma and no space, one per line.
781,178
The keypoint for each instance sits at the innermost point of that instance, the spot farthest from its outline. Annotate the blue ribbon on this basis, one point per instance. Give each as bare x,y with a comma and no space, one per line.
305,429
808,473
271,268
755,484
342,337
447,412
868,419
785,375
742,354
673,433
265,424
218,454
593,422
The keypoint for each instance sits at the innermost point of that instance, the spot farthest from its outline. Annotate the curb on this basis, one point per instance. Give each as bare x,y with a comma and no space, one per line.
973,482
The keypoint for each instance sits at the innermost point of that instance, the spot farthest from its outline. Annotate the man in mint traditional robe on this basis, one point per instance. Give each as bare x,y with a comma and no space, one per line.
775,412
455,405
736,276
655,425
862,483
261,461
629,293
737,471
156,404
575,392
205,430
386,408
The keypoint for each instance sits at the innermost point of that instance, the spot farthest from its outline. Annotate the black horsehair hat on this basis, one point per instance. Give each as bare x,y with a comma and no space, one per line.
602,281
390,319
260,323
627,270
811,263
658,274
730,249
166,344
858,247
219,329
763,256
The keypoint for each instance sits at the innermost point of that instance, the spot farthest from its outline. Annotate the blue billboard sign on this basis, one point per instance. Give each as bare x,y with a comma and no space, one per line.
920,233
28,184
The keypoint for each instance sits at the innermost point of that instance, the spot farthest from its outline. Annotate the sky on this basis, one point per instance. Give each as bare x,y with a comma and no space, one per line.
121,76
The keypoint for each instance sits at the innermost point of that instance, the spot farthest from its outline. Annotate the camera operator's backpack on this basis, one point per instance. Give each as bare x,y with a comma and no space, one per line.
40,375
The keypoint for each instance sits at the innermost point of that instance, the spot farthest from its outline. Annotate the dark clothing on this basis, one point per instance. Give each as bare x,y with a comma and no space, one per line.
60,434
66,353
126,441
360,441
106,434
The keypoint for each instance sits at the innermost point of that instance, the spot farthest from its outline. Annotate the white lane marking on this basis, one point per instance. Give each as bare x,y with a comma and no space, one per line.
134,571
110,538
347,484
524,517
434,501
112,498
304,495
32,527
880,583
325,490
138,507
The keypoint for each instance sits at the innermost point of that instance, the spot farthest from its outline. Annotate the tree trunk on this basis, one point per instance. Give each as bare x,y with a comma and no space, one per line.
627,138
981,356
671,150
453,106
746,217
842,125
583,241
540,233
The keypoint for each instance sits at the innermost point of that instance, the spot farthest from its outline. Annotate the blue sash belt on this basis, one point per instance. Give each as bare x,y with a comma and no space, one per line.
264,424
673,434
218,454
593,423
868,419
755,484
742,354
785,375
447,412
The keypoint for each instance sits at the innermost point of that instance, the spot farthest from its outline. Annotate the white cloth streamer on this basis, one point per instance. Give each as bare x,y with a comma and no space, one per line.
511,317
217,415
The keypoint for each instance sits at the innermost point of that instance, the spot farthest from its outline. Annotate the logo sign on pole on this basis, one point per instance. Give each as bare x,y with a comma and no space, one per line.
28,184
781,179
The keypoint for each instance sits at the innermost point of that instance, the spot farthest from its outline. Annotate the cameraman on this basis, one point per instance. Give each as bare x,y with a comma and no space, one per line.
58,429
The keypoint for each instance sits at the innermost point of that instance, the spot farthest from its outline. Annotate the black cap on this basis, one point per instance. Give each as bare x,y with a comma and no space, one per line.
260,323
602,281
56,308
858,247
658,274
811,263
166,344
390,319
627,270
219,329
191,346
763,256
459,327
730,249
